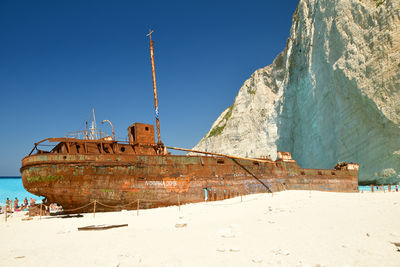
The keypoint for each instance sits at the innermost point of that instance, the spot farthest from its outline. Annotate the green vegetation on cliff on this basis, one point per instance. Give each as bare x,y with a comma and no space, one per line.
217,130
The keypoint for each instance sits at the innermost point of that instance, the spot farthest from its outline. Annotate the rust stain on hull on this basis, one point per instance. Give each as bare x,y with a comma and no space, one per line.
120,180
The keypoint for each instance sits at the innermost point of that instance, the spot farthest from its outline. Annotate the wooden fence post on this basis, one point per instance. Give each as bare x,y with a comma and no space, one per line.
138,201
179,203
94,209
40,213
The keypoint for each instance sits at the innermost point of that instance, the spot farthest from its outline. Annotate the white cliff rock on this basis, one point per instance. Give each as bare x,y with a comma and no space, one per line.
332,95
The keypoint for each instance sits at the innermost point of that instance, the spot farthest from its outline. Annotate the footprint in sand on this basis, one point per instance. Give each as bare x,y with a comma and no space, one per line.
225,233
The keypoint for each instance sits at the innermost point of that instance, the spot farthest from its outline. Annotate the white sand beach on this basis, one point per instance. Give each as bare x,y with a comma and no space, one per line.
291,228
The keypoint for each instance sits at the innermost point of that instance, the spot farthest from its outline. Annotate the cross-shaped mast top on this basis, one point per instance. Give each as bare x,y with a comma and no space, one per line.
149,34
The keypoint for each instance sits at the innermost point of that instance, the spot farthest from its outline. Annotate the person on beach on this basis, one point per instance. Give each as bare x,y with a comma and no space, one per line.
33,201
25,202
397,189
8,202
16,203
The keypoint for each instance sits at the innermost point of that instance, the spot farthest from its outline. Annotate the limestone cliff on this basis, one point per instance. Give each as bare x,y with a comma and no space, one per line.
332,95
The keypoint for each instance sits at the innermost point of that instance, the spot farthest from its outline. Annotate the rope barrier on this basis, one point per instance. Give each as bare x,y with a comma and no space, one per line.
132,203
47,207
116,206
150,200
80,207
112,206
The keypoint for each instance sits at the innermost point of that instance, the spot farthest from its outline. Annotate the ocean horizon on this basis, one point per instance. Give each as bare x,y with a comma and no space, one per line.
11,187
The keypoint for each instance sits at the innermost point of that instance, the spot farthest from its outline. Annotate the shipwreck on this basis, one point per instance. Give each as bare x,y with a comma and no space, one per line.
141,173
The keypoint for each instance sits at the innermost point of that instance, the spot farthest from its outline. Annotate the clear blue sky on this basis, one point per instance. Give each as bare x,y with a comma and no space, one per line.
58,59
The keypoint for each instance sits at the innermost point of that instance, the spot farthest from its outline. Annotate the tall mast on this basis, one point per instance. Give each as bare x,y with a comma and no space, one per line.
93,128
154,86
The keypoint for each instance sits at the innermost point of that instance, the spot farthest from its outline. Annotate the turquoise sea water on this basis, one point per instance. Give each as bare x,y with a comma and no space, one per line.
367,188
11,187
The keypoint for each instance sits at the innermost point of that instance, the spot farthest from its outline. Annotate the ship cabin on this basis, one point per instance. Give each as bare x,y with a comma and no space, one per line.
285,156
141,141
140,133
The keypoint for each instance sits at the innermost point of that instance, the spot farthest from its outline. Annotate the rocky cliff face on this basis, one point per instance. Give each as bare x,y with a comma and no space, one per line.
332,95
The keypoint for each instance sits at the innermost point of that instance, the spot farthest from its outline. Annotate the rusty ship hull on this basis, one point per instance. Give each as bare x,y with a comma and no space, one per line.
122,181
